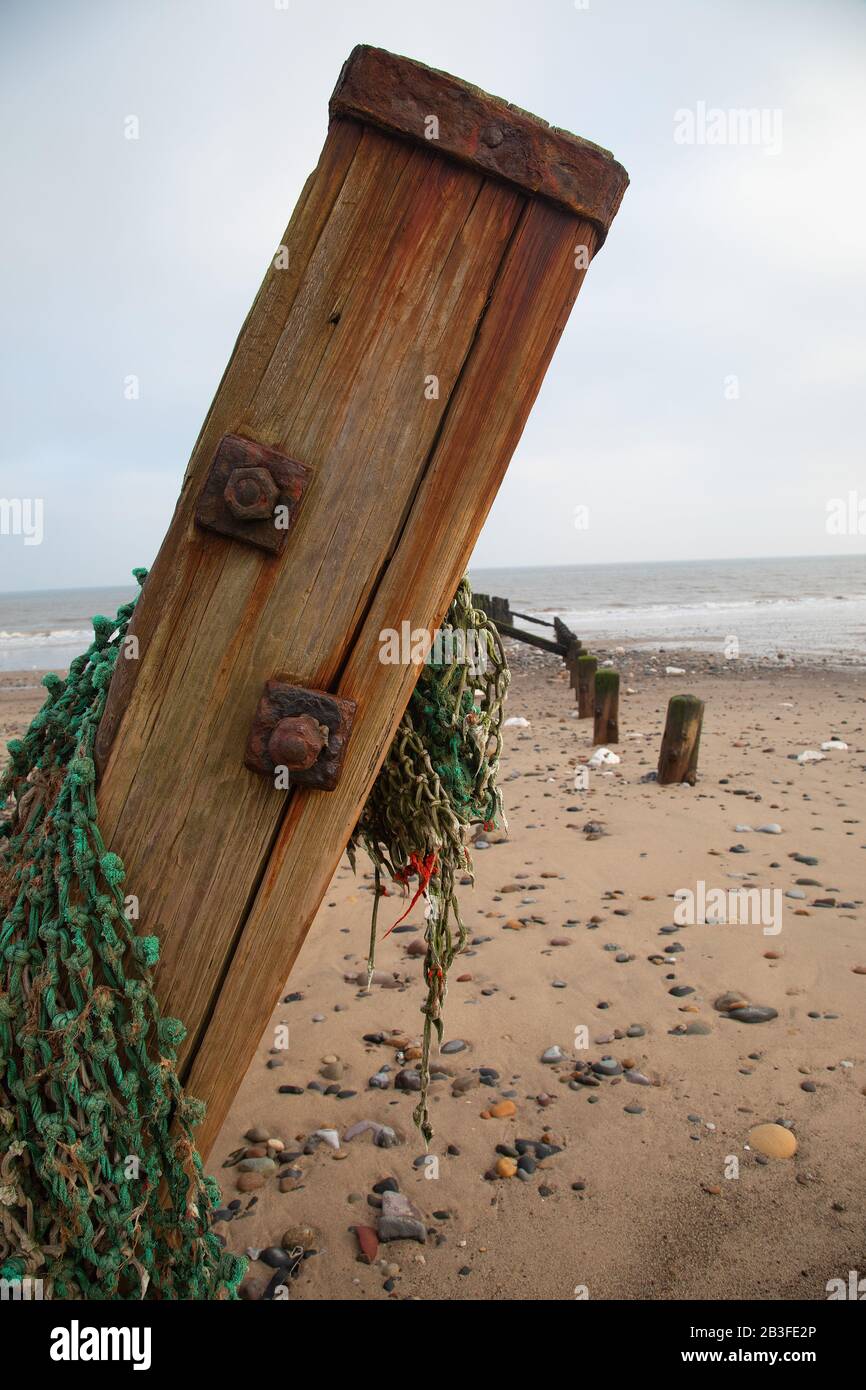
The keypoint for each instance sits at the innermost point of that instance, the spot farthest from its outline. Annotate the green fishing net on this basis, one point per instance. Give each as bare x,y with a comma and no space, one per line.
438,778
102,1192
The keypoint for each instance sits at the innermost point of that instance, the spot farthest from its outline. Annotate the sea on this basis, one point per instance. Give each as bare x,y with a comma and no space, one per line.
809,607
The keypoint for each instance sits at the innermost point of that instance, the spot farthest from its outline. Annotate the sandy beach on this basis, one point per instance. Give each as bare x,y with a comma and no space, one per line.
645,1187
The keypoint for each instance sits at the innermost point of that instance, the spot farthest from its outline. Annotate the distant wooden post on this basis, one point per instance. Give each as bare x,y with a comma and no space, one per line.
572,647
678,757
586,668
378,389
606,708
572,655
497,609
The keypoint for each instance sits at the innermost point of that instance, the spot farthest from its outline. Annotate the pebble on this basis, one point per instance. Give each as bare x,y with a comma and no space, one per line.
608,1066
275,1258
305,1237
248,1182
400,1219
731,1000
553,1054
456,1045
265,1166
329,1137
773,1141
368,1243
753,1013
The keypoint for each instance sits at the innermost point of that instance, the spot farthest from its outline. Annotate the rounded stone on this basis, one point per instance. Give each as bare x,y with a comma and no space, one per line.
307,1237
753,1013
773,1141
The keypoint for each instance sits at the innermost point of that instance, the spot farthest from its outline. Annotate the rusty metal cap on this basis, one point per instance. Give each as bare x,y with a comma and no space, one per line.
297,741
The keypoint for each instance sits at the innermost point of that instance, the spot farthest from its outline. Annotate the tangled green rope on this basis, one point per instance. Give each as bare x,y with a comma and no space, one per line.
439,776
102,1192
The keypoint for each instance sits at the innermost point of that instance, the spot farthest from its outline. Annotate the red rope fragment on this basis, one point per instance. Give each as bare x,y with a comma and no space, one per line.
425,869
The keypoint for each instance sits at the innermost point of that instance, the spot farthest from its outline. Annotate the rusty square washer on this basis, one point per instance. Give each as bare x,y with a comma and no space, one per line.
252,493
304,730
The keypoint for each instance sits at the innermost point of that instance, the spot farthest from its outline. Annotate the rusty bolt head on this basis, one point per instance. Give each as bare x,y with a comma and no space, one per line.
296,742
251,494
492,136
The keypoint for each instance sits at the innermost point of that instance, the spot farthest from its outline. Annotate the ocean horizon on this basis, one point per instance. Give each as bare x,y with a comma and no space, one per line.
804,606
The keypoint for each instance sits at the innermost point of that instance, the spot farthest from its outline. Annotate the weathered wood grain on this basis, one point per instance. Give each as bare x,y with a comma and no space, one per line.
392,290
395,349
681,741
532,639
481,130
534,293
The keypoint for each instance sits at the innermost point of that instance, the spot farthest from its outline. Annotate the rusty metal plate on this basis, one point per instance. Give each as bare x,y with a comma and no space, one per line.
261,505
283,702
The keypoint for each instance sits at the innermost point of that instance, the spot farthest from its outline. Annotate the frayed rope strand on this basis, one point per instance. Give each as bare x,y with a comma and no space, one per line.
438,778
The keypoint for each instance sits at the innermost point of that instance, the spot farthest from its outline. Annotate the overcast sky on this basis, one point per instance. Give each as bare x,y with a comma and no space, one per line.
706,398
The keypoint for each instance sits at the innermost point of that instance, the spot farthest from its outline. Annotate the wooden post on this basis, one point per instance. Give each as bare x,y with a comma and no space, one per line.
388,365
497,609
606,707
678,757
586,668
532,639
572,648
528,618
